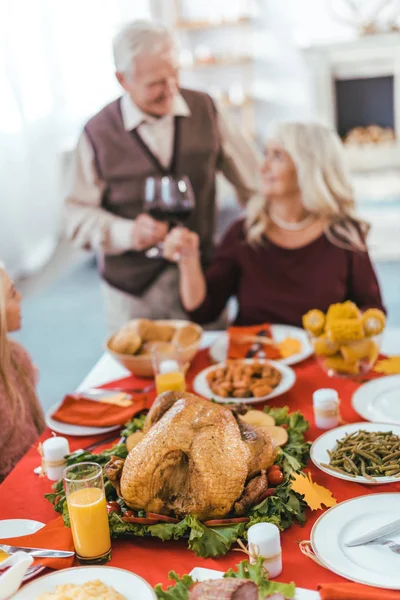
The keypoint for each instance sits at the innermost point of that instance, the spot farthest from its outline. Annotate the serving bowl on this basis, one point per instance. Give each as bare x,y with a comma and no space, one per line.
141,364
349,359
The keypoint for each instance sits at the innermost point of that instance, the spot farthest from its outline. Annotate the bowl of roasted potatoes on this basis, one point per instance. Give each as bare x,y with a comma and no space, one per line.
132,345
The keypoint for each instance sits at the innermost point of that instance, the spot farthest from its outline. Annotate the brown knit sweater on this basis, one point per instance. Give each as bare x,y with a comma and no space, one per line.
14,446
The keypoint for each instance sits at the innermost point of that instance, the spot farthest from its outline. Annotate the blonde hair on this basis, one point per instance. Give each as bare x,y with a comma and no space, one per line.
326,191
20,401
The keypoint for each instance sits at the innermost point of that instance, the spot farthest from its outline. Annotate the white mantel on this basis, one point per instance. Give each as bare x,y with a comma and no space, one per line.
362,57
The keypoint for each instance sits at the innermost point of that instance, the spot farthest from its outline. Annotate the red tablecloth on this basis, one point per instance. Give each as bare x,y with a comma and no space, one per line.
21,496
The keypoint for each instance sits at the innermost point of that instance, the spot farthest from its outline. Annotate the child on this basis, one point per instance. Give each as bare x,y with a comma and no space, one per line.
21,415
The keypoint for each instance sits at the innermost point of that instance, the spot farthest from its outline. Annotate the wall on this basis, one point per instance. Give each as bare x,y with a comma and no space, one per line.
282,79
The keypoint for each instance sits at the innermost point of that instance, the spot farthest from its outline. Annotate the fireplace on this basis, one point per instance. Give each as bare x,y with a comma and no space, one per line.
363,102
357,90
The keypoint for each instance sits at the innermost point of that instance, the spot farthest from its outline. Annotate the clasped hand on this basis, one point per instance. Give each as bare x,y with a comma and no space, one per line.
181,244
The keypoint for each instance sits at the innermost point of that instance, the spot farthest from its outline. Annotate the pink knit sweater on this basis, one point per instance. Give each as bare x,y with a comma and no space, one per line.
24,433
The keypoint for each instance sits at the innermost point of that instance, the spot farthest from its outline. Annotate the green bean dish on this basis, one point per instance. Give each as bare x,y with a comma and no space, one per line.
369,454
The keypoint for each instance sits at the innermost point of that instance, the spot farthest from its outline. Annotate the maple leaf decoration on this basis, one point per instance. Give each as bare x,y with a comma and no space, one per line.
388,366
315,495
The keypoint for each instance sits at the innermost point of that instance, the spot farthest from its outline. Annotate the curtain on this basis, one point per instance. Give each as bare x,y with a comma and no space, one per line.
56,70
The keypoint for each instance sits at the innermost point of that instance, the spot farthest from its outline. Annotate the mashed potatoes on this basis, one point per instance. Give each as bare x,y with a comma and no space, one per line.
86,591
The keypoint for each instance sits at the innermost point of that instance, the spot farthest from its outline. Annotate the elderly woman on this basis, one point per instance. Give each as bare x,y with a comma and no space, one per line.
300,246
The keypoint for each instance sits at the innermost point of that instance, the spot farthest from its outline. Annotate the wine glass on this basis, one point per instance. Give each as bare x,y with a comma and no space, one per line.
168,198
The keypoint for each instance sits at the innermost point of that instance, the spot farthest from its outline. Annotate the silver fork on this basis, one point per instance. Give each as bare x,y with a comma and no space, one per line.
391,544
32,570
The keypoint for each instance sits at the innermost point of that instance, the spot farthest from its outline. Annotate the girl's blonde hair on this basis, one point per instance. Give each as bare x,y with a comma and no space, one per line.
20,401
326,191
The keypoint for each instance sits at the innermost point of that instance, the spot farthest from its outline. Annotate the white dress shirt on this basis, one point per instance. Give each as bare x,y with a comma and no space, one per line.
91,226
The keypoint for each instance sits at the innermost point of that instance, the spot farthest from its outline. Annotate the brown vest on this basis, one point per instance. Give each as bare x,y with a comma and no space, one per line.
123,162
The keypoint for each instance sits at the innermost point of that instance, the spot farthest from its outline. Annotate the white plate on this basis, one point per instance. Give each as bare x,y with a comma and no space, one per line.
200,574
327,441
219,349
378,400
74,430
17,528
125,582
202,388
371,565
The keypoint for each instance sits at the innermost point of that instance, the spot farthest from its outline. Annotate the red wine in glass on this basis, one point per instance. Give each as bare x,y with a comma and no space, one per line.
173,215
169,199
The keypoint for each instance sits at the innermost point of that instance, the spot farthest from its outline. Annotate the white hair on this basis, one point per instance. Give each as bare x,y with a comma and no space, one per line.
326,191
140,37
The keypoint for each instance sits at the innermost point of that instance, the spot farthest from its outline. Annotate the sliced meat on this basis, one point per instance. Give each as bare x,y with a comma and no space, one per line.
113,470
251,494
224,589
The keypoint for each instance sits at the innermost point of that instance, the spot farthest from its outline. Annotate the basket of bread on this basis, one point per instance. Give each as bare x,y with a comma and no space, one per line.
346,341
132,345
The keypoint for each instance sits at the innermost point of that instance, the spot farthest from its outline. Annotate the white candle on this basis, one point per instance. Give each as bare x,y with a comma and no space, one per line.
54,451
326,408
169,366
265,540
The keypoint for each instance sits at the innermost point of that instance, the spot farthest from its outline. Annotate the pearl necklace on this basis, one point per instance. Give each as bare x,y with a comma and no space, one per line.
288,226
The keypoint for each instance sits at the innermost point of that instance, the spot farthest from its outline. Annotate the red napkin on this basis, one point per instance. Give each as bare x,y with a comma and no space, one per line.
354,591
239,349
53,536
91,413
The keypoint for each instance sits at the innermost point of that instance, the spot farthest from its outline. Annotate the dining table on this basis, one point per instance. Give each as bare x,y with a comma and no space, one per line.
22,492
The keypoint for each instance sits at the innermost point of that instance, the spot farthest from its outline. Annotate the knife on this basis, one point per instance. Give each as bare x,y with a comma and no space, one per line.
374,535
37,552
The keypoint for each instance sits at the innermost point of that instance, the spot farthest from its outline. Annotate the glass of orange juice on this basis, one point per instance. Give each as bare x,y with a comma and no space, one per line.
168,369
86,501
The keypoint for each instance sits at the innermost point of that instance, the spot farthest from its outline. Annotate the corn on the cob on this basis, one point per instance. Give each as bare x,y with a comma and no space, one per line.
359,350
337,363
342,310
314,321
323,346
345,330
373,321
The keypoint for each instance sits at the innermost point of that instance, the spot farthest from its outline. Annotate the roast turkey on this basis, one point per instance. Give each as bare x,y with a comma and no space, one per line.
196,457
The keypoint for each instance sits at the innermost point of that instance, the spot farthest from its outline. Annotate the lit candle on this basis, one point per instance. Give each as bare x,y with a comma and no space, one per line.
54,451
326,408
265,540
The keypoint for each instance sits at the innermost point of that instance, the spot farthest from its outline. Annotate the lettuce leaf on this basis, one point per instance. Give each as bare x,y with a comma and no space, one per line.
295,454
258,574
119,527
167,531
101,459
282,509
179,591
212,541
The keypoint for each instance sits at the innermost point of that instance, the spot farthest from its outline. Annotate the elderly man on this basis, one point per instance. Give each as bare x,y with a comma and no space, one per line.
155,128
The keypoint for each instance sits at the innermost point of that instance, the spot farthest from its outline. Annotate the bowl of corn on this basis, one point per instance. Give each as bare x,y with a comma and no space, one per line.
346,341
